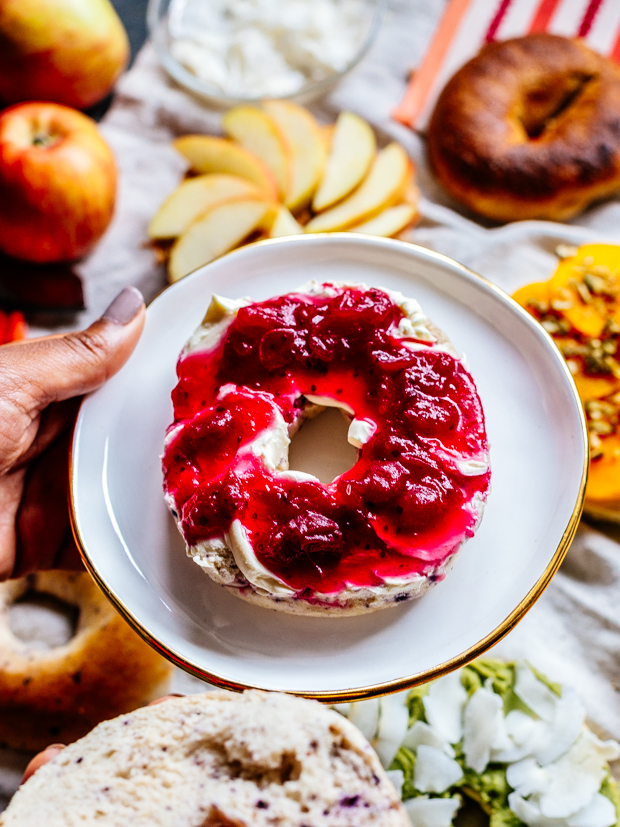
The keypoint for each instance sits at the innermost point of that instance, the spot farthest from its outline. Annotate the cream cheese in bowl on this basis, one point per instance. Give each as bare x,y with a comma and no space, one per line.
252,49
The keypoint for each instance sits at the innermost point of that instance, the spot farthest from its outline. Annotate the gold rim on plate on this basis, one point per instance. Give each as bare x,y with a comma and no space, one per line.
386,687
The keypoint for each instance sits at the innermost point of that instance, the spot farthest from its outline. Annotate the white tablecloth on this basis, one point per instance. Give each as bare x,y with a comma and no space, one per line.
573,632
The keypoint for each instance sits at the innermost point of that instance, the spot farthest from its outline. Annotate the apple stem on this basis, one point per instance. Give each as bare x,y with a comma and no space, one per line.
44,139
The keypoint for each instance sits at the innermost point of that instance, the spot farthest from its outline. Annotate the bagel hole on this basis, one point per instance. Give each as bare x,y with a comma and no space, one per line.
320,446
43,621
544,105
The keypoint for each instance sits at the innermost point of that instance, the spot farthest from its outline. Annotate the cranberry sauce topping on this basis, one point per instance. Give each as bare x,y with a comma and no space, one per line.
402,509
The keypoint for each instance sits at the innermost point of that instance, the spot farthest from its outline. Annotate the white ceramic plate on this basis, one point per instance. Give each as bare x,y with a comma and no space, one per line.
538,455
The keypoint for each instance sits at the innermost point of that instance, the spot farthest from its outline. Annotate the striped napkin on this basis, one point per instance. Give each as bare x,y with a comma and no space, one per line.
467,25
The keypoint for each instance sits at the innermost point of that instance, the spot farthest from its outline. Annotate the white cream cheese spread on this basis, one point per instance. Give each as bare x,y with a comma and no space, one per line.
266,48
231,555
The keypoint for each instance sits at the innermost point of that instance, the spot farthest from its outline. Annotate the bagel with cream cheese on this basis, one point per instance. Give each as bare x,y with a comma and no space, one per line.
383,532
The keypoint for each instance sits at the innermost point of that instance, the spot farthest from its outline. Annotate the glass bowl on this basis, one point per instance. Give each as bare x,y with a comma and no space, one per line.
166,16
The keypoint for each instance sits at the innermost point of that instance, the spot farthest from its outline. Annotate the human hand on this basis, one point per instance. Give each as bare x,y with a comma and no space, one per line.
41,385
41,758
54,749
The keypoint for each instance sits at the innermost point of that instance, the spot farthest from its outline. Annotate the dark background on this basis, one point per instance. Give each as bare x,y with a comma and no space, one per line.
133,15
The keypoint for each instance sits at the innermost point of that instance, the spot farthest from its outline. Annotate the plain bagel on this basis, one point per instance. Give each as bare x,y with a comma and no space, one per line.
529,129
60,693
217,759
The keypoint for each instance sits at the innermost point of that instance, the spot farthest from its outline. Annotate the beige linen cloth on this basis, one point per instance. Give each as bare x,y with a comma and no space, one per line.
573,632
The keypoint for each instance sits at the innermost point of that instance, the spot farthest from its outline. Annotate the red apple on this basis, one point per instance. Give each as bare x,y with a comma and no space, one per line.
57,182
67,51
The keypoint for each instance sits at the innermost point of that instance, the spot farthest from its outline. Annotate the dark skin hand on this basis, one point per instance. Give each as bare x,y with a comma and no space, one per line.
41,385
42,382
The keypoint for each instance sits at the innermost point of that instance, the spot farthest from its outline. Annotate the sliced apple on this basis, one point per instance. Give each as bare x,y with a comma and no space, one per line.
327,135
207,153
284,224
215,233
353,148
260,134
388,222
384,185
412,194
194,197
308,155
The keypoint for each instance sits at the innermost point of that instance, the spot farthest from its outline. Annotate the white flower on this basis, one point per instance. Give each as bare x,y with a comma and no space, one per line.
599,812
434,771
422,733
483,721
443,706
392,728
522,733
534,693
431,812
365,716
397,777
562,789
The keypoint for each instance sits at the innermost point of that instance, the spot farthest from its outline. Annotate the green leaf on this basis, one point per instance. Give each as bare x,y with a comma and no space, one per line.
556,688
416,705
405,760
611,791
501,817
503,676
491,786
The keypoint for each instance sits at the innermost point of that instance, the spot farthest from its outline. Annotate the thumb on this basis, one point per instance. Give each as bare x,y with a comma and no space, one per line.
54,368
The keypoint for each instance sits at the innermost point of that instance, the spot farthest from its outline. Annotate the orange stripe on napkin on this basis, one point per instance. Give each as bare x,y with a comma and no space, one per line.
422,80
543,15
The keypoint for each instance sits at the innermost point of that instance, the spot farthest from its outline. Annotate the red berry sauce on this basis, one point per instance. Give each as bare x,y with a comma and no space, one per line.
402,509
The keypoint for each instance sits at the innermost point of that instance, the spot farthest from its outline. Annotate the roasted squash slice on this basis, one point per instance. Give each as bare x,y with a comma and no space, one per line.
580,307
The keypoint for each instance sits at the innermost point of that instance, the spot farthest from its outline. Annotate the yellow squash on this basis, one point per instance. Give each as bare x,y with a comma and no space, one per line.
580,307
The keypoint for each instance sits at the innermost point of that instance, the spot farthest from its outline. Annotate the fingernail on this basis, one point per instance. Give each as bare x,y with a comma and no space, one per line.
125,306
55,746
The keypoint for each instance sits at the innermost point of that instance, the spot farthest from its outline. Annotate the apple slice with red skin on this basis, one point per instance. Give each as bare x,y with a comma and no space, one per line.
216,232
57,182
194,197
384,186
207,153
